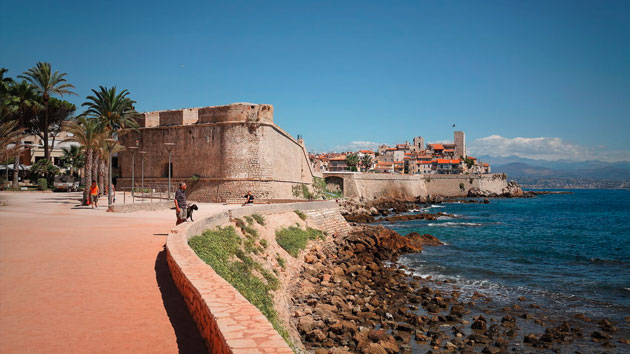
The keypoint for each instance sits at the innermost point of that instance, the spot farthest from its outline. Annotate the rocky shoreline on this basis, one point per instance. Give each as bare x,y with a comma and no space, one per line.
353,296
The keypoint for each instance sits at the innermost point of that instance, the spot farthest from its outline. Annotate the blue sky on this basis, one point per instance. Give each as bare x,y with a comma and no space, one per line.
344,72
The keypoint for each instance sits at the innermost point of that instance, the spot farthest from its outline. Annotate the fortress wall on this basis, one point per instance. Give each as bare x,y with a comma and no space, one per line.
375,185
450,185
230,155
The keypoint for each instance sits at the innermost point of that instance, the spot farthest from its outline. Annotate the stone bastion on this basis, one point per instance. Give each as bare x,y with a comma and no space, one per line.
220,151
226,320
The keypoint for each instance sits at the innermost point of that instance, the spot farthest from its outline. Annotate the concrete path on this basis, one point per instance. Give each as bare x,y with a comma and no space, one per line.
78,280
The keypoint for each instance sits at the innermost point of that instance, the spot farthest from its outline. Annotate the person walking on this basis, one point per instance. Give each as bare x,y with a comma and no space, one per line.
180,203
94,194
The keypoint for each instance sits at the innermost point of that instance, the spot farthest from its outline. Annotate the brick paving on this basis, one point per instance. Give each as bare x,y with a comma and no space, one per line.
76,280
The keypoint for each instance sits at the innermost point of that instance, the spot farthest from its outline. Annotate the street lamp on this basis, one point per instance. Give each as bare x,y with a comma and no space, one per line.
110,143
169,147
133,167
142,153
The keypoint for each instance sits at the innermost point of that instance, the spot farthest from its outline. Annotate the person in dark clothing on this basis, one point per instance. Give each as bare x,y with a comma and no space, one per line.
180,203
249,198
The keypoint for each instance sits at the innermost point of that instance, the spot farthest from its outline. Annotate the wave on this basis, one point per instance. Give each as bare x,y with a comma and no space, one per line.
436,206
455,224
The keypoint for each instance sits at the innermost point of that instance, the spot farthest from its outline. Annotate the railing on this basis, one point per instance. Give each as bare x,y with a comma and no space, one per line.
148,194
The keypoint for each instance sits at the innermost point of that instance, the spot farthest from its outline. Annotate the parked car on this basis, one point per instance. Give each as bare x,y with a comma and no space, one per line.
66,183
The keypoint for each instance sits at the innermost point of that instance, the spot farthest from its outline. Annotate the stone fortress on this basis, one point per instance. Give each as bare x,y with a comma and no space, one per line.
230,150
222,152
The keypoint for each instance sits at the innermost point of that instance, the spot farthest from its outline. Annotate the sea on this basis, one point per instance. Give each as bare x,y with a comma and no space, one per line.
568,253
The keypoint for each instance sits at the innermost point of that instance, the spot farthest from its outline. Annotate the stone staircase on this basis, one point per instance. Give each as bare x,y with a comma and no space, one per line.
329,220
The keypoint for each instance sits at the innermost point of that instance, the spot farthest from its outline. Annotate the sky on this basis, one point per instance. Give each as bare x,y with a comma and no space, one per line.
538,79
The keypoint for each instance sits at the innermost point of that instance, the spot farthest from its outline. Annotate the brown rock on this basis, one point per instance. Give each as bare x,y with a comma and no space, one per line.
374,348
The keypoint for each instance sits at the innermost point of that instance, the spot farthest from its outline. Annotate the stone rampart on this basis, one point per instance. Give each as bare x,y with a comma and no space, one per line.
226,320
231,149
376,185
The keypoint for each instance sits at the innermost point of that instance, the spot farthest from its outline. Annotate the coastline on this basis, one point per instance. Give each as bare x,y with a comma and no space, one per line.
474,323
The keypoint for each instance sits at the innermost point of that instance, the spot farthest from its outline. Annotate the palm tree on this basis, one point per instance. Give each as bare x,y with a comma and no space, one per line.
87,133
114,111
352,160
366,161
20,101
10,135
4,81
73,158
46,84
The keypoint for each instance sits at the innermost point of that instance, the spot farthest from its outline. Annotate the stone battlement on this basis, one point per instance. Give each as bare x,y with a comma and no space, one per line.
222,151
235,112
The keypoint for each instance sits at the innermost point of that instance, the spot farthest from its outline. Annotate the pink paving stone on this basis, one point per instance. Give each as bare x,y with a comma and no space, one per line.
242,343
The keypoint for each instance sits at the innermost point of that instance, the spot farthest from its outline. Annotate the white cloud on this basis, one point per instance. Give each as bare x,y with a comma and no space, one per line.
357,145
543,148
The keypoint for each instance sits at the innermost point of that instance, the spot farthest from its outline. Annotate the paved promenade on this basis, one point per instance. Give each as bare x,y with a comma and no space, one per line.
77,280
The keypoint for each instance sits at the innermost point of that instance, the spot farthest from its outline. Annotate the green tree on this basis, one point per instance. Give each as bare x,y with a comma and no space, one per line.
46,84
10,136
45,169
366,161
87,133
114,111
352,160
73,158
20,101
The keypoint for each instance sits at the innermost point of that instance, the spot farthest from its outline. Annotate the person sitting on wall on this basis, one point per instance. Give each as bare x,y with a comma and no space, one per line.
249,198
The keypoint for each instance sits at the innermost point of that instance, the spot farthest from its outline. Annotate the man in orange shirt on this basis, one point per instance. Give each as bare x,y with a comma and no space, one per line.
94,194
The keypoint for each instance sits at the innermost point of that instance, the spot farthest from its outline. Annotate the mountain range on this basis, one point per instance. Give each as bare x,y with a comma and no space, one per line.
522,167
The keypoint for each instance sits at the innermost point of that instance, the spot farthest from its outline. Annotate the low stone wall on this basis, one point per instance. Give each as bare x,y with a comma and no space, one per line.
127,208
226,320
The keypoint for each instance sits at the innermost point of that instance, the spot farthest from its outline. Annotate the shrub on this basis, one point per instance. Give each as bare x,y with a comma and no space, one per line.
259,219
293,239
221,249
264,243
246,229
281,262
249,220
300,214
42,183
461,186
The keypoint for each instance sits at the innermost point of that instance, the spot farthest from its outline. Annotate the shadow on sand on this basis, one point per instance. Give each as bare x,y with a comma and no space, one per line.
188,338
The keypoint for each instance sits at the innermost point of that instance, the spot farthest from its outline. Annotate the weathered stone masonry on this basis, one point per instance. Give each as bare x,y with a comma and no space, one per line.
232,149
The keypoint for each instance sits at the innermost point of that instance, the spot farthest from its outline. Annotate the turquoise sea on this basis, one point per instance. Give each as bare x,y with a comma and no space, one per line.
569,253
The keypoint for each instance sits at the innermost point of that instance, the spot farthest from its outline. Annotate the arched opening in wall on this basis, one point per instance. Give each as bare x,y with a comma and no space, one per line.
334,184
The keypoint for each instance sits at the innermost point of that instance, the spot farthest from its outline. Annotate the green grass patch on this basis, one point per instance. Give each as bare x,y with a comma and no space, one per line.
281,261
300,214
293,239
247,230
249,220
259,219
221,248
264,243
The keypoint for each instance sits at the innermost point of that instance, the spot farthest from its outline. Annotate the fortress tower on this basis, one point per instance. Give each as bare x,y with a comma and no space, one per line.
460,143
418,144
229,150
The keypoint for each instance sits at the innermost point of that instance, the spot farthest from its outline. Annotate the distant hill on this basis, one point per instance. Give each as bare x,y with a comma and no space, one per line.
519,167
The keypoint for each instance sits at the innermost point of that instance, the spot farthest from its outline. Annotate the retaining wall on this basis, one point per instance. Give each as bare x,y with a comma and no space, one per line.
375,185
226,320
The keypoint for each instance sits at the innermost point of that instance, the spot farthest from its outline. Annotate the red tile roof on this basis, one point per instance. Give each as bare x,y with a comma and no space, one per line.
437,146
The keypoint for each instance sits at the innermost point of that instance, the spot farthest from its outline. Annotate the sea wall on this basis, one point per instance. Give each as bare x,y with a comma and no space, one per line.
226,320
376,185
229,149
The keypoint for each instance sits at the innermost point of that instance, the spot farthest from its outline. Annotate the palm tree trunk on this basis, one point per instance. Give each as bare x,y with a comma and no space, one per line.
87,169
101,175
46,151
16,169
